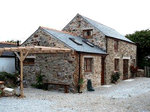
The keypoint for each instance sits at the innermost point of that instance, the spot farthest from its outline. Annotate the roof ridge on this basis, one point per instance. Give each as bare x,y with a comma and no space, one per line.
11,43
70,33
95,21
106,30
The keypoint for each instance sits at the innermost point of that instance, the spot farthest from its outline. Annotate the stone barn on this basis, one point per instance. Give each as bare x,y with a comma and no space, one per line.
97,51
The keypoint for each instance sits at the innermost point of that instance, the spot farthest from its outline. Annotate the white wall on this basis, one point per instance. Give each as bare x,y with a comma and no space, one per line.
7,64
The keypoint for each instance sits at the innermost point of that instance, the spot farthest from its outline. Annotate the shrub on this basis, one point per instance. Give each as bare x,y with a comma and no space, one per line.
1,92
33,85
10,79
133,70
3,76
39,81
115,76
80,82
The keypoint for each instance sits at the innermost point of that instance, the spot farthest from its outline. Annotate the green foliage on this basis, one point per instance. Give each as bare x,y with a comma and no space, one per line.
33,85
12,41
1,92
133,70
39,83
4,76
142,40
115,76
80,82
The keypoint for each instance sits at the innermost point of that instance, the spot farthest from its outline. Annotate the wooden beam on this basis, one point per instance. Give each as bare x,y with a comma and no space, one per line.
21,71
25,55
7,49
17,55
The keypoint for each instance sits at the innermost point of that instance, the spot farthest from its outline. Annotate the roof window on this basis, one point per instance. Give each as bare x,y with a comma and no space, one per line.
88,43
75,41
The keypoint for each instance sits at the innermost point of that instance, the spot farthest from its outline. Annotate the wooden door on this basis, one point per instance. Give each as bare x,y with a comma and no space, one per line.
103,71
125,69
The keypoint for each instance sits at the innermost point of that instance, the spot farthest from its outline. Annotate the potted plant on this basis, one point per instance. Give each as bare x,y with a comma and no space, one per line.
79,84
133,70
115,76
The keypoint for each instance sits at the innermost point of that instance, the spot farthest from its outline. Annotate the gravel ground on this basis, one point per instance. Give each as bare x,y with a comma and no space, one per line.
132,95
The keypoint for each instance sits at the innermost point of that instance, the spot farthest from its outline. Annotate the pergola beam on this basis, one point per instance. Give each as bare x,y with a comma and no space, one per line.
17,55
25,55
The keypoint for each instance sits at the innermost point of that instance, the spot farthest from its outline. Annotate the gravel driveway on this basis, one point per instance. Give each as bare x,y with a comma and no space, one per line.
131,95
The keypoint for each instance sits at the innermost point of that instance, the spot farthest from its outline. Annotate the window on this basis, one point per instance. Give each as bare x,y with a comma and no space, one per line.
116,45
88,33
88,64
116,64
28,61
88,43
75,41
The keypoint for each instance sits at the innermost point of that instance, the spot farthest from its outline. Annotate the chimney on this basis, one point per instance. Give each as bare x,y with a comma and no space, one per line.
18,43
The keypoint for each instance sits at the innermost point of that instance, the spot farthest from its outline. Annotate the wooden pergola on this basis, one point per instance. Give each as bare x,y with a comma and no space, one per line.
22,52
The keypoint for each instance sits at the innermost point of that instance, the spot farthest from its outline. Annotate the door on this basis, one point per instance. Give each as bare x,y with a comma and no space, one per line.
125,69
103,71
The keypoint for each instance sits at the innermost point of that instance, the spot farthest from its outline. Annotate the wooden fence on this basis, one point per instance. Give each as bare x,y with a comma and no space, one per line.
147,71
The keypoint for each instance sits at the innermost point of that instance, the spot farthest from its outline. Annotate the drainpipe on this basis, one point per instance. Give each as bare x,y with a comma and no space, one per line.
79,71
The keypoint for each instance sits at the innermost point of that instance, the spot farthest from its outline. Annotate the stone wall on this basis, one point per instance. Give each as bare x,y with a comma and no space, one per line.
78,24
56,67
41,38
125,51
95,75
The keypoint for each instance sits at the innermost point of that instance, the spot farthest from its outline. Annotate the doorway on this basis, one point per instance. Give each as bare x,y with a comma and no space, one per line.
103,71
125,69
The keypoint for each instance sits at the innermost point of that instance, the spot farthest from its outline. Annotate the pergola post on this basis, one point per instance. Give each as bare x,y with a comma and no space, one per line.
21,58
21,71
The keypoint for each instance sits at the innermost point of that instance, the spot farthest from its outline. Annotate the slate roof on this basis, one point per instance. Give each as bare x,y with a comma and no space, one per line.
7,53
106,30
65,38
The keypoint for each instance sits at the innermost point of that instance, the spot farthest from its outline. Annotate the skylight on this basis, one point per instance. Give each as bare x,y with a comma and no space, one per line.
75,41
88,43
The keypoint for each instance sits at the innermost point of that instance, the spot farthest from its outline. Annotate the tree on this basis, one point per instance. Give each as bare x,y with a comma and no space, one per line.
142,40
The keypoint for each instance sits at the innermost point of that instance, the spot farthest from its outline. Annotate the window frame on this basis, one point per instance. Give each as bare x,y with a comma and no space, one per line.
116,45
88,65
88,30
116,62
28,63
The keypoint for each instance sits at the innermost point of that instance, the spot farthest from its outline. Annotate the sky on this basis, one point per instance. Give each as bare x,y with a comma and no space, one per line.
20,18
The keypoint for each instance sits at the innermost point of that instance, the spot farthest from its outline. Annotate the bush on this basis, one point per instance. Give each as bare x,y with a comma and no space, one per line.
33,85
80,82
1,92
115,76
10,79
3,76
133,70
39,82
